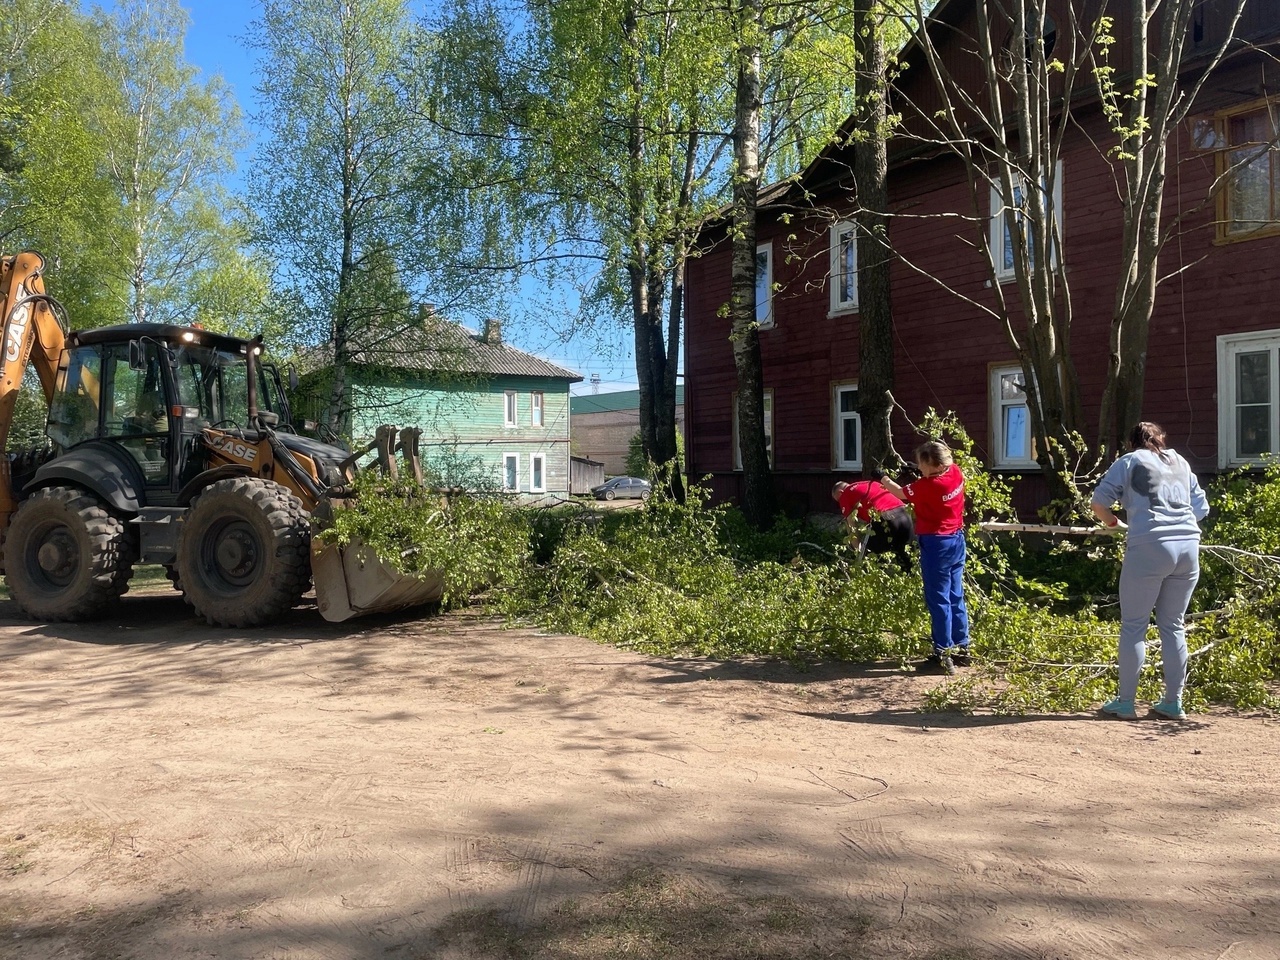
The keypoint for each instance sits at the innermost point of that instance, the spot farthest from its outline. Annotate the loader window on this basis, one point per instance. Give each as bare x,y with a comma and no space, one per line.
73,415
216,382
136,412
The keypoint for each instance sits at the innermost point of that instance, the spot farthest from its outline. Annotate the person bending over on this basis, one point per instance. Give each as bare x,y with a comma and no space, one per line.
885,522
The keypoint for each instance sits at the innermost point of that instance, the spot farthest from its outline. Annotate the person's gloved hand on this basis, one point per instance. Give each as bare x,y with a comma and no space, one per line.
1118,527
877,473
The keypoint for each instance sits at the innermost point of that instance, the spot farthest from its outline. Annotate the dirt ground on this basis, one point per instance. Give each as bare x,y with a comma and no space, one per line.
449,788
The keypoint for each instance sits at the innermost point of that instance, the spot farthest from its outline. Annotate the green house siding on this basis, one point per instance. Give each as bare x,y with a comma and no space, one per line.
465,435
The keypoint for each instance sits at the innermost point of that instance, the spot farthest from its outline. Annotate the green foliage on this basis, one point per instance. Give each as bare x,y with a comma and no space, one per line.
29,414
55,196
169,137
674,579
681,579
638,465
470,541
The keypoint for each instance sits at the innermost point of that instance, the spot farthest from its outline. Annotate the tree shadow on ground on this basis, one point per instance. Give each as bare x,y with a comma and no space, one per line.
772,671
646,914
956,721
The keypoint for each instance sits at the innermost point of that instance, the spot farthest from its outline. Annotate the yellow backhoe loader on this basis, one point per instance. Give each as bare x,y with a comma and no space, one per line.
172,445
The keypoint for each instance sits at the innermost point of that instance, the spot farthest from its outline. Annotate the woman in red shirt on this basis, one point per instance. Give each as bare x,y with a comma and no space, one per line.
885,517
938,500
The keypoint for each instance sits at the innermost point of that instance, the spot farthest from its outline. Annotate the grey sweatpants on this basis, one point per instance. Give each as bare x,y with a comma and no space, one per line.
1157,576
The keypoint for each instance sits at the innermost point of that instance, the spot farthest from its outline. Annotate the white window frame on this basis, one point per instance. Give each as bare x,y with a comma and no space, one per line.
1229,346
537,405
764,283
838,417
1000,458
838,272
768,428
537,464
506,459
510,406
998,229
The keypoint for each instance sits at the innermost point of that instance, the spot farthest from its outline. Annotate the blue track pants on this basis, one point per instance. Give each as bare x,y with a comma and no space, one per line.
942,569
1156,576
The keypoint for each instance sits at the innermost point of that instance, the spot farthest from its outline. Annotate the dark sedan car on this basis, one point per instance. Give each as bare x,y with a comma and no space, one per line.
620,488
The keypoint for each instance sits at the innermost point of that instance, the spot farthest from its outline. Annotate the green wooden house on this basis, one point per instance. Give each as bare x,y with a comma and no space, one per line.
492,416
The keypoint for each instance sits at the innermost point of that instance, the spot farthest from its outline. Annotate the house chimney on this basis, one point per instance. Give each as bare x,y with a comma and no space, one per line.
492,331
426,310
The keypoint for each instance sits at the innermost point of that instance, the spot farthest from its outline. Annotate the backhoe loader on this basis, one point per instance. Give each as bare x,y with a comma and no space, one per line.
171,445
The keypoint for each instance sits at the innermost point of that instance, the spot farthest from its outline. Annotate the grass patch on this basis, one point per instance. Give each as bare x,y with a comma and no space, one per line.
649,915
146,576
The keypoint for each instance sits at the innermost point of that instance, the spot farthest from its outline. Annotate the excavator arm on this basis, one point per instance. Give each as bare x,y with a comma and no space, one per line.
30,333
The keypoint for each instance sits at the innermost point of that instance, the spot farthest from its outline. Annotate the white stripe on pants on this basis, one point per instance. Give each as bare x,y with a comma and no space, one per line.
1159,576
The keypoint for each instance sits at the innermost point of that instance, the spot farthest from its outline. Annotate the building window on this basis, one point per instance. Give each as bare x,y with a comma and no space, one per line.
764,286
848,428
509,408
1012,444
768,430
844,268
535,408
1248,397
510,472
1251,158
538,473
1001,237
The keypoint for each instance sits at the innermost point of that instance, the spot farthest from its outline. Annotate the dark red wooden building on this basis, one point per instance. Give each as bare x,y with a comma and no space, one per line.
1213,369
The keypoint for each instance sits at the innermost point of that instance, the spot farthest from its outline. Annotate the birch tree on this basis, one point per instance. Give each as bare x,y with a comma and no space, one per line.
170,140
1009,131
336,180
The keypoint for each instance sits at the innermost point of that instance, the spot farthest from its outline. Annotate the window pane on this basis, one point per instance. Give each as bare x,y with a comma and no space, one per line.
1250,190
1011,386
73,417
1253,431
848,267
537,473
764,286
848,401
512,468
1017,444
849,439
1253,377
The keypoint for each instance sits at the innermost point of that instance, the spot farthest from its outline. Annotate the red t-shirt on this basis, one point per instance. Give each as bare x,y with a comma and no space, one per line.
938,502
865,496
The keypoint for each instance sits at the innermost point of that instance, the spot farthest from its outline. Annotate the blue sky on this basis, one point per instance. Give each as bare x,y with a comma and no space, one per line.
215,45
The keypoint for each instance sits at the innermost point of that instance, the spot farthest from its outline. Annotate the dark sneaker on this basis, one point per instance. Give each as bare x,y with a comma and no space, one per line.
960,656
937,663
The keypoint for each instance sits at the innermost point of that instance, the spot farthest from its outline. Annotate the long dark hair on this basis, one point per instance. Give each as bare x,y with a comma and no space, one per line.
1148,436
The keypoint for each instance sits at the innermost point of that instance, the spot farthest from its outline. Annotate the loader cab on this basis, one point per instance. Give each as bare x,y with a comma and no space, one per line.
149,390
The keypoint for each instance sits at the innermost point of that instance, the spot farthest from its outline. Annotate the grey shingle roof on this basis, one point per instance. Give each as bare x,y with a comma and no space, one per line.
436,345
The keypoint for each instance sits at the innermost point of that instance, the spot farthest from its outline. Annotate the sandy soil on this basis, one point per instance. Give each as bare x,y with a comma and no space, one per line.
338,791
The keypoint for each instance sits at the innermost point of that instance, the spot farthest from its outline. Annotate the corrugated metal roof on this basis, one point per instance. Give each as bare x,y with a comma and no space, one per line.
612,402
433,344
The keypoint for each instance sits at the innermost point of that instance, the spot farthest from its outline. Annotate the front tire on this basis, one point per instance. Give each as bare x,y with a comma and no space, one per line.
609,494
244,552
66,557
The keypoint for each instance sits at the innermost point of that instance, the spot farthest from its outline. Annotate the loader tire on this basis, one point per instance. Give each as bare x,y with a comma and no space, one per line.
244,552
66,557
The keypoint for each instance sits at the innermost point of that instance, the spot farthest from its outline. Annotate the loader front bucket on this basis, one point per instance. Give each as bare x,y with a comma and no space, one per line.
352,581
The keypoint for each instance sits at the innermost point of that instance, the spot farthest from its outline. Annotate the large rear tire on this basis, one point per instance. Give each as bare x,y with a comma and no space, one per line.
66,557
244,552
